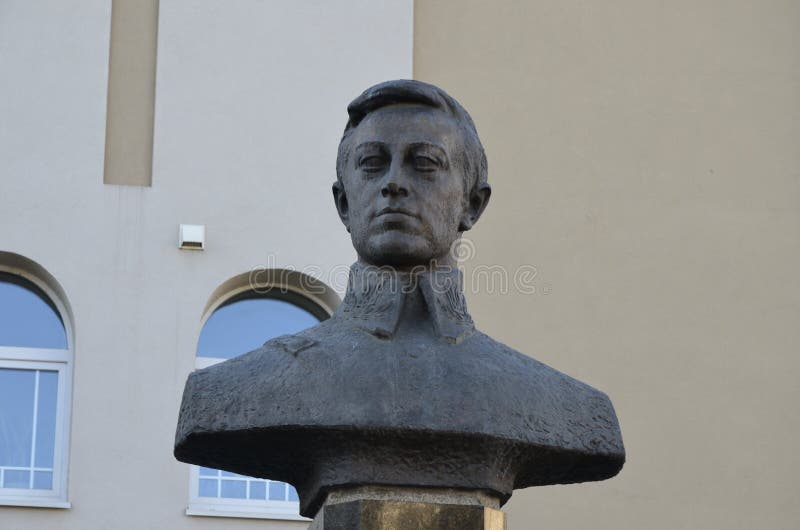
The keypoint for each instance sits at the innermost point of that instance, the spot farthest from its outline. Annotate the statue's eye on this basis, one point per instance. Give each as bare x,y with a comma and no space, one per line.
372,163
426,163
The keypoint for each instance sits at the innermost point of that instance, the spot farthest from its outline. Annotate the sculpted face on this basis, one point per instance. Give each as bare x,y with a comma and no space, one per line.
403,198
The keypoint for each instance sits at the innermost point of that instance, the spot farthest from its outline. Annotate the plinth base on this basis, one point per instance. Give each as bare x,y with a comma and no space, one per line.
408,509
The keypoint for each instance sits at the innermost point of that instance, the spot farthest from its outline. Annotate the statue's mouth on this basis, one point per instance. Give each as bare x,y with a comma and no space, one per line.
393,211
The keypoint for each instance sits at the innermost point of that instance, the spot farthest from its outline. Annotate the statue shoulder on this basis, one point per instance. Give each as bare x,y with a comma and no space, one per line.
242,367
548,400
291,344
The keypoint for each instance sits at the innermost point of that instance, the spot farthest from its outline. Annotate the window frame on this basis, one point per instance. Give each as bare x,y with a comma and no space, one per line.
249,508
50,359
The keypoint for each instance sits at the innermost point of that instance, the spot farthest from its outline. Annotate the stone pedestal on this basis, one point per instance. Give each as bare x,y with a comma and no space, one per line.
379,508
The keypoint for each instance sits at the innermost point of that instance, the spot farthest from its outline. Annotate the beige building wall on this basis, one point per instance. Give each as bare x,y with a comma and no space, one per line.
645,158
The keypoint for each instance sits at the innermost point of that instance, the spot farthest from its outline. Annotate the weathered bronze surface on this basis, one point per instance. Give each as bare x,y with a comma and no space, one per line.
399,388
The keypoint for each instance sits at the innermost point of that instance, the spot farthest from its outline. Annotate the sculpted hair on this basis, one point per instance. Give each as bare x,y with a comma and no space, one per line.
404,91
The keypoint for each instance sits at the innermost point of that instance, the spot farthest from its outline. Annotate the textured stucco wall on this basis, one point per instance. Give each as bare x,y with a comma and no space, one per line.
644,157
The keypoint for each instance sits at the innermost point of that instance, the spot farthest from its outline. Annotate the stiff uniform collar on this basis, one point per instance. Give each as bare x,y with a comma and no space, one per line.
376,295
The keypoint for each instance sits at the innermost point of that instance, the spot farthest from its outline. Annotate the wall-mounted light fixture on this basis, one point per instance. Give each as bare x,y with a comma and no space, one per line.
192,237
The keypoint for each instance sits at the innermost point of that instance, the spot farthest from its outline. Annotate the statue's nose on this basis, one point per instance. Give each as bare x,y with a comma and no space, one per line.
394,189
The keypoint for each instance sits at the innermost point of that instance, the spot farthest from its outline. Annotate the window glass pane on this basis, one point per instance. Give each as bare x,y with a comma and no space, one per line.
26,319
258,490
208,472
277,491
46,419
293,494
234,489
245,325
20,392
208,487
14,478
16,416
42,480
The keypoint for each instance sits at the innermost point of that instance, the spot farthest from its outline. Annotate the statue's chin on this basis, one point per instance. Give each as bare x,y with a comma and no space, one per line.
397,249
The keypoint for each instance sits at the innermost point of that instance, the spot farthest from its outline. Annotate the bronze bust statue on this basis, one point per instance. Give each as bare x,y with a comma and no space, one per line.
398,387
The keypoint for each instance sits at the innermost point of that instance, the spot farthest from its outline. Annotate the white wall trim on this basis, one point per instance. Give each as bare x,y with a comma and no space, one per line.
36,503
205,510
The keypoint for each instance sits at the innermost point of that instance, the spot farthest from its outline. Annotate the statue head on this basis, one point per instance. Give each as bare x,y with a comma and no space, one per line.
411,174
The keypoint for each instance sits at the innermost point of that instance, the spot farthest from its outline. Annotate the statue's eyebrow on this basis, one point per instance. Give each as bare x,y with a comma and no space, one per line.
380,146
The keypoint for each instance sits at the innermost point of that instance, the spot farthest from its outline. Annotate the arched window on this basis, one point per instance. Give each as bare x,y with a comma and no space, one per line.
35,381
242,323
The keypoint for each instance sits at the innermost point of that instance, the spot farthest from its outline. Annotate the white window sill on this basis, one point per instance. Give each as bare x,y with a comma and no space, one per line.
36,503
208,511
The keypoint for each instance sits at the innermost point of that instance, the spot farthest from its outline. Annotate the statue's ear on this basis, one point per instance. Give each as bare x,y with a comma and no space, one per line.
478,200
340,198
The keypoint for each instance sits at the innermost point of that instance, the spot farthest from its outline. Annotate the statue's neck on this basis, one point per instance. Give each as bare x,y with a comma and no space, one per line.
446,264
385,301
